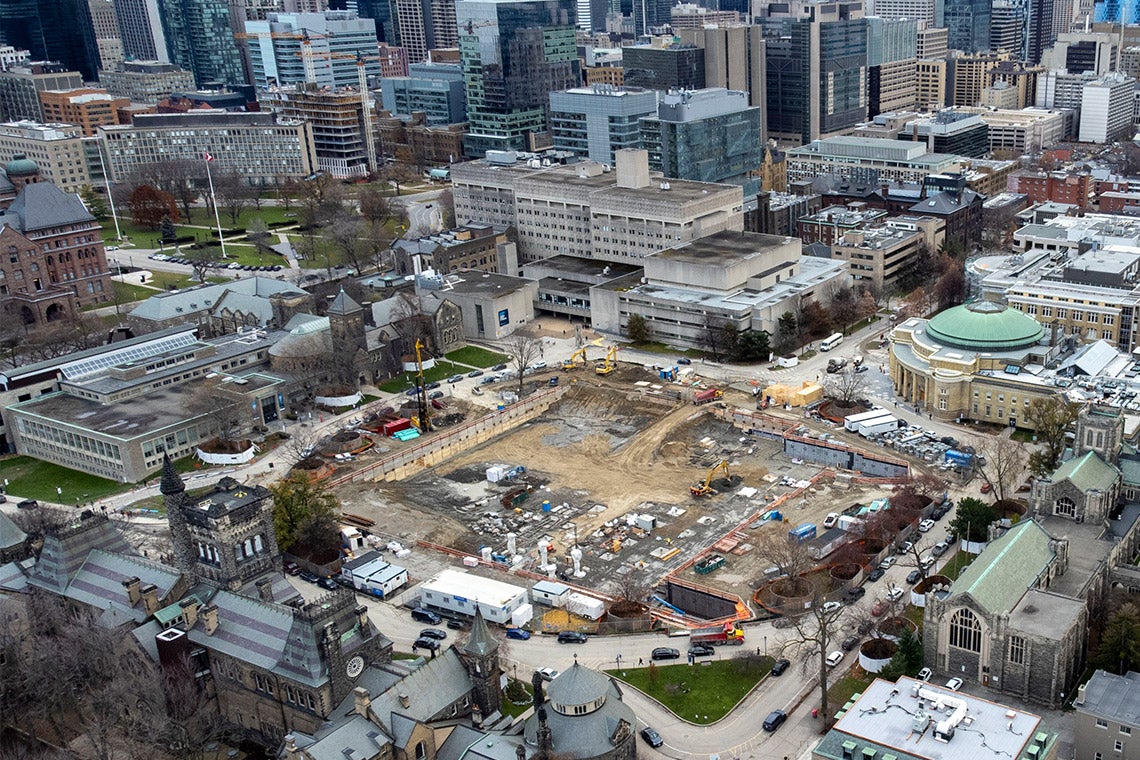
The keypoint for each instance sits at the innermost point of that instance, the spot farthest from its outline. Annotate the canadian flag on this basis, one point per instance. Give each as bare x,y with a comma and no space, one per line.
209,157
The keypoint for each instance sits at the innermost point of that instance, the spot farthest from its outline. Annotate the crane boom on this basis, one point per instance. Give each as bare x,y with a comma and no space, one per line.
704,487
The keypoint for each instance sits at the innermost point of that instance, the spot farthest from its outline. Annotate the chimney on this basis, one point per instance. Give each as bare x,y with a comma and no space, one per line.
209,615
632,168
190,611
132,587
150,598
476,716
265,589
405,701
361,701
362,617
291,750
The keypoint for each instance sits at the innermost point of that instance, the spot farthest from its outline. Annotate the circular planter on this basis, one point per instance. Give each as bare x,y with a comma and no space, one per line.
312,468
925,586
874,654
892,628
335,402
228,458
346,440
845,572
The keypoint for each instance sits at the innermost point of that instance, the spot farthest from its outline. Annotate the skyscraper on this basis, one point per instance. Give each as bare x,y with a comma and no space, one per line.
891,58
1038,29
514,54
336,39
53,30
140,28
968,22
383,12
426,25
816,69
200,39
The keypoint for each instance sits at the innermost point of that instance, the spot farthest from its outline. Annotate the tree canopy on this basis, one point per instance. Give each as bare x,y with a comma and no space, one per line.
973,519
304,515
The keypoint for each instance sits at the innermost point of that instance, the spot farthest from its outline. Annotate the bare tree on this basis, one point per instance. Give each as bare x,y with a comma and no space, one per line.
204,261
1001,462
813,634
75,332
347,232
1051,418
846,387
225,410
232,194
523,350
777,550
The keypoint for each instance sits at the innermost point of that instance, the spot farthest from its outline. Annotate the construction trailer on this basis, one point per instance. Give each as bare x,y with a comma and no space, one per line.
372,574
455,591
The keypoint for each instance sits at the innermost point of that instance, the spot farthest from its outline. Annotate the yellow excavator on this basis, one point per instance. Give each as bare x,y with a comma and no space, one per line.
703,488
576,360
609,364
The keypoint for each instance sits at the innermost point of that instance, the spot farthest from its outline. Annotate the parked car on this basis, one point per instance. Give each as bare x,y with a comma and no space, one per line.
665,653
309,577
684,360
571,637
894,594
986,488
433,386
518,633
498,368
865,627
940,548
475,373
913,577
455,378
547,674
887,563
905,547
774,720
27,504
924,674
927,561
832,607
435,394
422,643
849,643
538,365
854,594
779,666
925,526
834,658
701,650
421,615
954,684
876,574
433,633
831,519
651,737
328,584
456,625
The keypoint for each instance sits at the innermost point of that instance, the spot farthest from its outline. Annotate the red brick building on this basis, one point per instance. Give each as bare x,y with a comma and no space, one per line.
52,260
1059,187
1119,202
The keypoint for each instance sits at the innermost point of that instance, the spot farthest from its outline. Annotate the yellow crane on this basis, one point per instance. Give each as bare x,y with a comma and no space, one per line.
609,364
421,386
576,360
704,487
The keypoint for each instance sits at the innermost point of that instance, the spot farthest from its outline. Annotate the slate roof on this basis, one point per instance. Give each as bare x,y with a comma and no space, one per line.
42,205
342,304
63,554
1008,567
13,576
1090,359
586,735
431,687
164,306
1087,472
356,737
481,643
99,582
467,743
246,304
577,685
944,202
10,533
1108,695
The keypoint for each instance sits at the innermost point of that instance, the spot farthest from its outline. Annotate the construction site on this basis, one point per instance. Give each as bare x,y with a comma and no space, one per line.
664,485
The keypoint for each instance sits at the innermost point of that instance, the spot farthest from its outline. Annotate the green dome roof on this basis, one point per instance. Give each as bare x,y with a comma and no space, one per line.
984,326
21,166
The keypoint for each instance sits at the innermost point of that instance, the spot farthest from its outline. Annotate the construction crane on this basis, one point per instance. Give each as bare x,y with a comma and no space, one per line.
704,487
306,47
471,26
421,388
609,364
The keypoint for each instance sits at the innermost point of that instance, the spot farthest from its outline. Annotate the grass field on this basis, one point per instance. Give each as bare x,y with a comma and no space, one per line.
698,693
477,357
35,479
440,371
856,681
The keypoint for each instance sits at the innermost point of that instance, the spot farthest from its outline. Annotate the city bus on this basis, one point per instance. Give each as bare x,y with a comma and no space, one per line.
831,341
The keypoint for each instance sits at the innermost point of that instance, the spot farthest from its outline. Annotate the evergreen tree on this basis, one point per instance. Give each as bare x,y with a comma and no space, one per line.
167,232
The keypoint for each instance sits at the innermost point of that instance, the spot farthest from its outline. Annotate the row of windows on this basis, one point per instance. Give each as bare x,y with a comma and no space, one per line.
73,441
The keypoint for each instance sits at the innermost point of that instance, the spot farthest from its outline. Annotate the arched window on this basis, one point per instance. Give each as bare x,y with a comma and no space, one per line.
966,631
1065,507
421,751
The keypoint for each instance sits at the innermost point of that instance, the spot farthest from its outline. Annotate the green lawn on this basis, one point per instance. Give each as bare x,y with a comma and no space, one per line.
35,479
515,710
700,694
250,254
856,681
324,253
440,371
914,615
955,566
653,347
477,357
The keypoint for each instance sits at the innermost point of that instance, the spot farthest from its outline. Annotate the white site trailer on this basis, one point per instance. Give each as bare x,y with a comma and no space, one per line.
456,591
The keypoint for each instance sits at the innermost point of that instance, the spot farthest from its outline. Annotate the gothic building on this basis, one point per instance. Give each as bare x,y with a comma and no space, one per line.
583,718
1088,486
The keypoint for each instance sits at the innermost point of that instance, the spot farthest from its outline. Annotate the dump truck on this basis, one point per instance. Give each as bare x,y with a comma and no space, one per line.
729,633
704,397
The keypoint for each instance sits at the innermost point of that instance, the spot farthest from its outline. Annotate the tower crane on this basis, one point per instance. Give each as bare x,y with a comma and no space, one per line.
306,39
365,106
704,487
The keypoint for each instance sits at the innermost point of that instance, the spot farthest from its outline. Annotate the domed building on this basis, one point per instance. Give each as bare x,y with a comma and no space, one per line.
981,361
584,718
22,170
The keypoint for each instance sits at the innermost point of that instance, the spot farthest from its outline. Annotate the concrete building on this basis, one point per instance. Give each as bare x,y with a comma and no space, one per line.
693,16
1008,24
880,257
816,69
1063,90
342,125
58,150
1017,132
1107,715
1084,51
564,284
426,25
968,75
880,719
20,88
336,39
848,157
492,306
891,60
10,56
583,210
950,130
918,10
930,84
436,89
106,28
930,43
743,279
1106,109
86,107
664,66
140,28
146,81
254,145
735,59
596,121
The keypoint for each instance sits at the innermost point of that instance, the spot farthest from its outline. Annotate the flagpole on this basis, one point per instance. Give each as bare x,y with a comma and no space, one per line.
110,196
214,200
